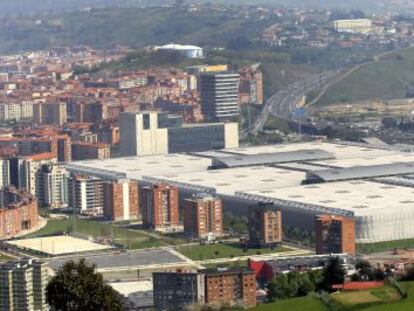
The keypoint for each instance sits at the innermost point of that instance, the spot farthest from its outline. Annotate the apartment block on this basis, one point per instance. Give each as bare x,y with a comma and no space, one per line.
22,285
265,225
335,234
55,186
176,290
121,200
90,151
203,216
160,206
86,194
230,286
50,113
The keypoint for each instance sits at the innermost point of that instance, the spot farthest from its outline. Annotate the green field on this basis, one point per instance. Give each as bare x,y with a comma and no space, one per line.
388,78
131,238
222,250
382,299
295,304
384,246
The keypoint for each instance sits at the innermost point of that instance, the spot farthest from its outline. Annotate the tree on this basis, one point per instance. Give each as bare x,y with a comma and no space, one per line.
333,273
78,287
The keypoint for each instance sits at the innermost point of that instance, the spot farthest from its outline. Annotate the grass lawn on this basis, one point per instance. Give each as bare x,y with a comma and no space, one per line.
295,304
384,246
133,239
402,305
387,79
223,250
365,298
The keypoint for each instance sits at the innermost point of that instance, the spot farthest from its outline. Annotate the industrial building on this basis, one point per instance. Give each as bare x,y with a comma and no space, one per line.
152,133
190,51
377,193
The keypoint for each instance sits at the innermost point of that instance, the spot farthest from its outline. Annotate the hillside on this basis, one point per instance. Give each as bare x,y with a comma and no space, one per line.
136,27
389,78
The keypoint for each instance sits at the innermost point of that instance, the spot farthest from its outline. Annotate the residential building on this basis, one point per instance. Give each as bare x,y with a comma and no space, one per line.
120,200
16,111
18,212
50,113
265,225
26,173
203,216
335,234
230,286
251,84
90,151
176,290
160,206
219,93
22,285
152,133
55,181
86,194
353,25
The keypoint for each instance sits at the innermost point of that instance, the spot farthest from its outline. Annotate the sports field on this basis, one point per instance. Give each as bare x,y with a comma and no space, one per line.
59,245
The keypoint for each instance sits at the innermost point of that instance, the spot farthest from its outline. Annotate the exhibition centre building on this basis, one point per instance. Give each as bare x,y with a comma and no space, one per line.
373,185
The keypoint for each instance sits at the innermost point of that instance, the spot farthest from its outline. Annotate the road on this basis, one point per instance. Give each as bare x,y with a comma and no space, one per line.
284,103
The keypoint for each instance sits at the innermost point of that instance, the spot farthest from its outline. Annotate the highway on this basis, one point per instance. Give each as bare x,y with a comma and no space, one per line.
284,103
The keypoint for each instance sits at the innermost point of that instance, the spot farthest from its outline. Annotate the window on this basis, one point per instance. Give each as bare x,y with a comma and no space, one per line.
146,121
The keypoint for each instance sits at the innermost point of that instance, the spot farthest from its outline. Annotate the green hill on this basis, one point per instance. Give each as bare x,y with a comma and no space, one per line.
388,78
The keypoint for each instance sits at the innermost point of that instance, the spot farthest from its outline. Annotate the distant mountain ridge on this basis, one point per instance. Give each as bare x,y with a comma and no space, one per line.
8,7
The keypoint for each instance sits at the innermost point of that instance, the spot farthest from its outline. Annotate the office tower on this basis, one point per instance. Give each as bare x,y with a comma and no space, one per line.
152,133
86,194
219,95
203,216
230,286
265,225
121,200
175,290
55,186
22,285
160,206
335,234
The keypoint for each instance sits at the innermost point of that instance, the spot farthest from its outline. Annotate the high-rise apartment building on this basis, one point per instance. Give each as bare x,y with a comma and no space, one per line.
176,290
335,234
219,95
151,133
120,200
203,215
230,286
86,194
55,186
160,206
50,113
265,225
22,285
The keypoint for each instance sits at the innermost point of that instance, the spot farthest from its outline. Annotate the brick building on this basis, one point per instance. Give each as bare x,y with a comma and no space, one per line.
203,215
121,200
18,212
86,151
335,234
160,206
230,286
175,290
265,225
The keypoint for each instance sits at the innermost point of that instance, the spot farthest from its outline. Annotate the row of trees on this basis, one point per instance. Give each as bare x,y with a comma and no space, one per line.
296,284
